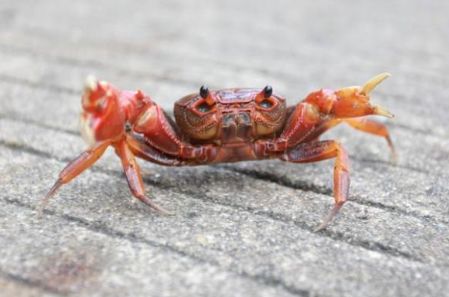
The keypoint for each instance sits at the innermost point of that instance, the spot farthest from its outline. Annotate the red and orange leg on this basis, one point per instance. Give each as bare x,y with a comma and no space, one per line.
87,160
75,168
323,150
362,124
142,149
374,128
133,175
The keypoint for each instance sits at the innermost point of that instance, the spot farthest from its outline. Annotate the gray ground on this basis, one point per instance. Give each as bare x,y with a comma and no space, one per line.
242,229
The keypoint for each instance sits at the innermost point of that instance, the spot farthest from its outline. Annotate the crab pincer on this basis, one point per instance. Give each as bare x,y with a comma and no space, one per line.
105,116
348,105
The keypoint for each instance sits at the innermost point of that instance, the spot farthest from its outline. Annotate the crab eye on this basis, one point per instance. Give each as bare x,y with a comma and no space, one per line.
203,107
267,91
204,91
266,104
264,99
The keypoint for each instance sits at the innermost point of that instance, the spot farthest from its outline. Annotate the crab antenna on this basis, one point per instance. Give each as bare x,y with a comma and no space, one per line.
373,82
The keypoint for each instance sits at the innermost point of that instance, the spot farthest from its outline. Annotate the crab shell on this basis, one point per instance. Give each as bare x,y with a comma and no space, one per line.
230,116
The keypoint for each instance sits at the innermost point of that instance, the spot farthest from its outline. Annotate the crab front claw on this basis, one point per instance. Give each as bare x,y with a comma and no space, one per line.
354,101
374,82
106,112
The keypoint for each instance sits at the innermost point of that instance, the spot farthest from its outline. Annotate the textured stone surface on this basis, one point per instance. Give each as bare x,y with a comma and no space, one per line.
241,229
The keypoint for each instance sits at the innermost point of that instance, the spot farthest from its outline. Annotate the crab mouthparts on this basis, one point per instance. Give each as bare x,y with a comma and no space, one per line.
236,126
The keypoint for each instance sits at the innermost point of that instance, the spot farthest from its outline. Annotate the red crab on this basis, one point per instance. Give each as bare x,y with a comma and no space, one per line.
227,125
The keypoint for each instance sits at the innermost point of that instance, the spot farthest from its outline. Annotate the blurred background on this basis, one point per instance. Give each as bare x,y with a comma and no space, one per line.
170,48
241,230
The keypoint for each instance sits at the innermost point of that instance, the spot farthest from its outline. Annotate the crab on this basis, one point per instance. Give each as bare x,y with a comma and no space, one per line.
218,126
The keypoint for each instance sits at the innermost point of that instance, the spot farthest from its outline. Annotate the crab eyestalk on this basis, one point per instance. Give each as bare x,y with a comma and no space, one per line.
265,94
206,95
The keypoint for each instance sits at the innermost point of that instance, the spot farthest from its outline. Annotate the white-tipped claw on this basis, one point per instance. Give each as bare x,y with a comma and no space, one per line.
91,83
379,110
373,82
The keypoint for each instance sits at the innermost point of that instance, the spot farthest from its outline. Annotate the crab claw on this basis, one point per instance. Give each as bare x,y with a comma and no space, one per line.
373,82
369,86
90,85
355,101
102,117
379,110
94,90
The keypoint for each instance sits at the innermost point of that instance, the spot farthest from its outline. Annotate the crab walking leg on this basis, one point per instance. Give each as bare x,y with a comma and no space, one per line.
322,150
375,128
75,168
141,149
133,176
361,124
